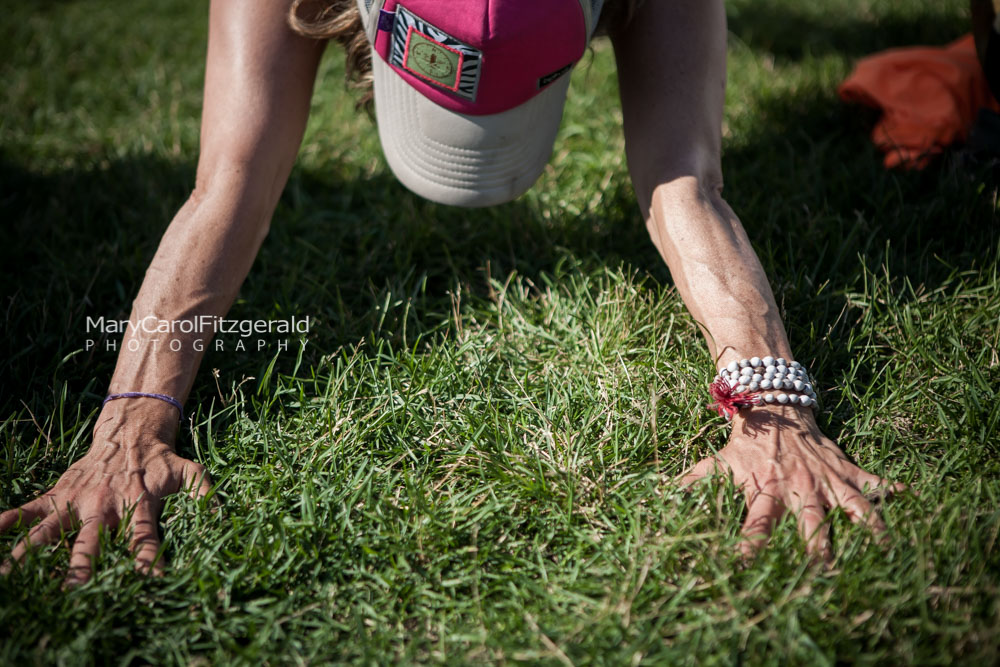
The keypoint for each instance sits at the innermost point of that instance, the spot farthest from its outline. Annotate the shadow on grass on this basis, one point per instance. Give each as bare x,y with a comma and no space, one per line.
367,260
793,32
813,194
338,251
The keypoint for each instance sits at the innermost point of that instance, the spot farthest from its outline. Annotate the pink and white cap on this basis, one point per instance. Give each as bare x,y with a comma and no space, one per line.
469,93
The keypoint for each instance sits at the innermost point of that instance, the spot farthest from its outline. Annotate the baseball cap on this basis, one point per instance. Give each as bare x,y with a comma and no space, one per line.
469,93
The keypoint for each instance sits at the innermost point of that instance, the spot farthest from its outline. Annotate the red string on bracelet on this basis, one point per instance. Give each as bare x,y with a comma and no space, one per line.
141,394
728,403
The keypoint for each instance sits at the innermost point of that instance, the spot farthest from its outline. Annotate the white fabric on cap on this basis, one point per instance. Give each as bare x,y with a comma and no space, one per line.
369,10
459,159
592,10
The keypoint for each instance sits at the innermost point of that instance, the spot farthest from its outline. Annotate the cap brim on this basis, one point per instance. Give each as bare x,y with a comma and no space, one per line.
459,159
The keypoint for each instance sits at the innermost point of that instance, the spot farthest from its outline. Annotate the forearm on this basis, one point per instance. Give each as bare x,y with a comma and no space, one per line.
203,258
258,82
671,70
716,271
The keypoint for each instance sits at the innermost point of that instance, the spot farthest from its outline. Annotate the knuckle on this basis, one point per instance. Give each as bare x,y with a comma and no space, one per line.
136,490
75,579
38,532
103,497
142,539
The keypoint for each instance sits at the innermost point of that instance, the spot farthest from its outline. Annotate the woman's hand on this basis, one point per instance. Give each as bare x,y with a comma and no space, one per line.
782,463
263,73
129,469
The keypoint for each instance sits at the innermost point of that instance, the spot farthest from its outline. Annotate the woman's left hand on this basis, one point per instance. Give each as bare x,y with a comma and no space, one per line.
782,462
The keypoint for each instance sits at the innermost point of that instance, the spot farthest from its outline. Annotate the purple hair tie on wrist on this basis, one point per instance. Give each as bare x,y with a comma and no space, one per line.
141,394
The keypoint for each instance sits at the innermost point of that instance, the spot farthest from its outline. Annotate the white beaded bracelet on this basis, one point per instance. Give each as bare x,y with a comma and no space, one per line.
757,380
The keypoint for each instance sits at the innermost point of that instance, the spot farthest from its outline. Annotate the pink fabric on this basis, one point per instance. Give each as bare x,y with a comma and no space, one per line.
521,42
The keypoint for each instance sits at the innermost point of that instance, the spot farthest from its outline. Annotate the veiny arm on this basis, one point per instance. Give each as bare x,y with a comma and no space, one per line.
671,65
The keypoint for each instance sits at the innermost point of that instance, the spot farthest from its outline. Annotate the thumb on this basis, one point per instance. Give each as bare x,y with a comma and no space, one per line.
197,481
704,468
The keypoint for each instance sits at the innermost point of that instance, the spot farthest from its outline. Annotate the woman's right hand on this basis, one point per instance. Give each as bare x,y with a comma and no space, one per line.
260,72
130,467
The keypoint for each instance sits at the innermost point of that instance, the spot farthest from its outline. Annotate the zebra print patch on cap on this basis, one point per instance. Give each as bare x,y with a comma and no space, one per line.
434,55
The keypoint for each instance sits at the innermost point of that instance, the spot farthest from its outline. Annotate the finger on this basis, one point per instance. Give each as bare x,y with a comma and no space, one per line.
815,530
48,531
26,513
197,481
860,510
704,468
874,487
764,511
85,551
145,541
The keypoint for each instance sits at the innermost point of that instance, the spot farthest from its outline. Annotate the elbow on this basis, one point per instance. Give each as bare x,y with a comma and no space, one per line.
687,217
235,196
678,180
689,199
688,190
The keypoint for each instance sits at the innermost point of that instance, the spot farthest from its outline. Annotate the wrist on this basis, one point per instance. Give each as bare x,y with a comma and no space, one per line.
774,421
792,414
137,421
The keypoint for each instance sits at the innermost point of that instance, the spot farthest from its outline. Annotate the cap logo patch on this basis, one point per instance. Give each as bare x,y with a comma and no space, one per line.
431,60
433,55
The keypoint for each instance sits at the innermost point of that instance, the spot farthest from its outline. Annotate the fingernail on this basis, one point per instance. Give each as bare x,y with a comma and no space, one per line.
747,552
822,559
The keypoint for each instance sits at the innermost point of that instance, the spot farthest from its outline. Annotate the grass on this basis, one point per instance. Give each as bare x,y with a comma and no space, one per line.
470,461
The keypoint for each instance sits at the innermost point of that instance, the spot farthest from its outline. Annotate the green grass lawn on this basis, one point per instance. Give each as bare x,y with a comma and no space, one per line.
471,460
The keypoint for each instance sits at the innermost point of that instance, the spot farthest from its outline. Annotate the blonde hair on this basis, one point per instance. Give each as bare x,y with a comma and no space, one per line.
340,21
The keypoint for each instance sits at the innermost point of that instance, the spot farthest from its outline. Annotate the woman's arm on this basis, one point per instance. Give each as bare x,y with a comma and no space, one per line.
671,64
258,84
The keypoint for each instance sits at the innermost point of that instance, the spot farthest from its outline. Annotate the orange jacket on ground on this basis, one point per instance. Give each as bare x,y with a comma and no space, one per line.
929,98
